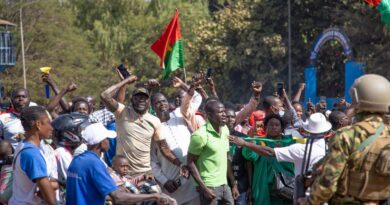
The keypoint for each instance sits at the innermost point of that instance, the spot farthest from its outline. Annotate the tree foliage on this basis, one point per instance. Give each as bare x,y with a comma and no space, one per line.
248,40
51,40
242,40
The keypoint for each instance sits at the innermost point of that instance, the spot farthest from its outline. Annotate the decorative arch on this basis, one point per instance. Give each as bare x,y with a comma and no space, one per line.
353,69
330,34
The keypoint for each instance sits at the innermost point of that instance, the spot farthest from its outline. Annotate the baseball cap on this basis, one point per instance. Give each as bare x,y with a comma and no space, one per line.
95,133
141,90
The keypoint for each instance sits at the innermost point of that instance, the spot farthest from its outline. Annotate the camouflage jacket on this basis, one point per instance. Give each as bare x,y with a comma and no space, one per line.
330,185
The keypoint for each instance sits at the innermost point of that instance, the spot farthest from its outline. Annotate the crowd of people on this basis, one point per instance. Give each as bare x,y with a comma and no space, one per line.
191,148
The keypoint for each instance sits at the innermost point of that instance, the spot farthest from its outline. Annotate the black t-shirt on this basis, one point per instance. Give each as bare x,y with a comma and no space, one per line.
239,166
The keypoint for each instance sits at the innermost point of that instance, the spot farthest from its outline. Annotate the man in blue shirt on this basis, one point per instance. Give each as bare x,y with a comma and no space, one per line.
88,180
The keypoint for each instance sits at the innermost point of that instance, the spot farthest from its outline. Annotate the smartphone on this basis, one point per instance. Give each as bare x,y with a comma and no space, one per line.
123,71
280,87
208,73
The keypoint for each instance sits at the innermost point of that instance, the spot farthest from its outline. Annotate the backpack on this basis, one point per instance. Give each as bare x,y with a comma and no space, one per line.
369,179
6,178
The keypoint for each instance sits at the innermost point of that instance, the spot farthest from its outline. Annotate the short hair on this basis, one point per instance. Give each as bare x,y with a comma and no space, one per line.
296,103
13,92
210,99
154,96
268,101
31,114
80,100
230,106
210,105
334,118
179,92
275,116
118,157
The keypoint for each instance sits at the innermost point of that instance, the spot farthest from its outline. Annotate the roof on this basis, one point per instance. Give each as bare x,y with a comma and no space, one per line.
6,23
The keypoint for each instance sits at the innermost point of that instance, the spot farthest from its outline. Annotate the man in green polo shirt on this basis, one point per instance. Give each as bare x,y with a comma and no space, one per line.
208,158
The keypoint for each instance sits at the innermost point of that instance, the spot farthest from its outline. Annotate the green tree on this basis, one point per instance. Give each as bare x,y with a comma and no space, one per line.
247,40
51,39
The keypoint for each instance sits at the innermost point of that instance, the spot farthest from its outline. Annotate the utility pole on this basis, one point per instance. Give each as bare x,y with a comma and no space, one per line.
289,48
22,41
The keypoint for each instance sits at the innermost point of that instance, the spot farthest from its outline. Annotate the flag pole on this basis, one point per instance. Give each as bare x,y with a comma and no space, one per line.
185,75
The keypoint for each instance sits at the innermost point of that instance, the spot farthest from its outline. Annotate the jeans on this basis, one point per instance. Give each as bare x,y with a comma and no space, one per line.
223,196
241,199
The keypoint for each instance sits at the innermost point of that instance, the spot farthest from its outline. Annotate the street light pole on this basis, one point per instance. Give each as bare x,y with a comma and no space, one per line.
289,48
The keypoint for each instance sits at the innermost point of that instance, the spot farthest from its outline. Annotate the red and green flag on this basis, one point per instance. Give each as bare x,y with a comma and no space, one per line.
169,47
383,7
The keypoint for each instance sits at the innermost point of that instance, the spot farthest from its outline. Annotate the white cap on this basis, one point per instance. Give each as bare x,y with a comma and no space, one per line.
95,133
317,124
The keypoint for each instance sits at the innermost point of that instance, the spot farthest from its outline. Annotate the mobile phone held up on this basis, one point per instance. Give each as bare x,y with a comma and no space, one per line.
208,73
280,87
123,71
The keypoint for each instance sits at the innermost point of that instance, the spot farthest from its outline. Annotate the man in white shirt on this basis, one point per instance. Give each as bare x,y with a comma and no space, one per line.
10,126
317,126
177,132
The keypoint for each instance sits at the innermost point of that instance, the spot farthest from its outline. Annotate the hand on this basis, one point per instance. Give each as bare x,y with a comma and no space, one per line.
235,192
131,79
249,196
266,151
237,140
177,82
257,87
302,201
71,87
210,82
46,78
153,83
19,137
302,86
171,186
184,171
284,94
197,79
209,194
163,199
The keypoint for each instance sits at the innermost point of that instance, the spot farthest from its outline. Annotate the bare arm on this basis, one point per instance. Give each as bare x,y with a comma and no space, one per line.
178,83
252,104
121,96
120,197
47,78
167,153
230,172
233,182
297,95
185,107
56,100
262,150
107,95
46,190
211,85
191,159
202,92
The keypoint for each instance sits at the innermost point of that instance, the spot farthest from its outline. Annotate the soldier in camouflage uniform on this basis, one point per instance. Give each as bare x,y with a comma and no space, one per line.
371,98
